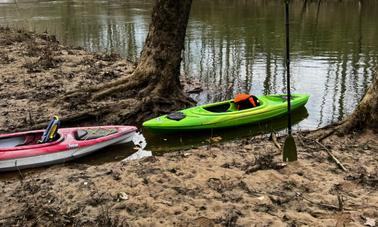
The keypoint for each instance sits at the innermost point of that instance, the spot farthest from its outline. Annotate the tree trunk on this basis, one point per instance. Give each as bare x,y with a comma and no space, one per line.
365,116
154,87
159,68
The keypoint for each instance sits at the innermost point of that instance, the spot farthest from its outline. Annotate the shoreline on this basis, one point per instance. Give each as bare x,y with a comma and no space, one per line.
238,183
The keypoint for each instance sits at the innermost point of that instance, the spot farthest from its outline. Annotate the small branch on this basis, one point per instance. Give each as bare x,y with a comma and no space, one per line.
332,156
274,139
323,205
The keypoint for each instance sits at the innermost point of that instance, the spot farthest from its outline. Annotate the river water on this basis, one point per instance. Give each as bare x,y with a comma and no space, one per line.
233,46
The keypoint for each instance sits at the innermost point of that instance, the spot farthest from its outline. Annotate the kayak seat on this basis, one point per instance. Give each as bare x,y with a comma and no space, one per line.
31,139
90,134
233,107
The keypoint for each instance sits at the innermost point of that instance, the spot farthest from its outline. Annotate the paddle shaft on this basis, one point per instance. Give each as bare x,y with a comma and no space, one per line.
288,65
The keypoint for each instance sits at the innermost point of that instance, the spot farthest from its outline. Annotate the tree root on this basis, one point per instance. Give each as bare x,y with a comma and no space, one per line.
321,133
94,93
149,97
114,90
340,129
127,110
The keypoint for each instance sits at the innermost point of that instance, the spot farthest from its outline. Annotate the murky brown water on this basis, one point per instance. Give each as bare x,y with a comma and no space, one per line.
233,46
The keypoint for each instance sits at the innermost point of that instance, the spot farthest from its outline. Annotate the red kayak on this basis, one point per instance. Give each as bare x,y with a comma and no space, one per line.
25,150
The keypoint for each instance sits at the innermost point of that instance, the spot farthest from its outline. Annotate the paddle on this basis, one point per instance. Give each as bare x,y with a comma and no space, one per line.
290,149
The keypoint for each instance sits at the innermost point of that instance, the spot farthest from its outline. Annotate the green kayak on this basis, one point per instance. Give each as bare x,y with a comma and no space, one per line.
225,114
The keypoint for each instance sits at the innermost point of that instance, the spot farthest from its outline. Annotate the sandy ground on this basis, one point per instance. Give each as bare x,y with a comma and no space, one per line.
240,183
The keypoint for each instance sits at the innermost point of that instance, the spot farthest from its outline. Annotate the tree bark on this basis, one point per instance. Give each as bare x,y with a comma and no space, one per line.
154,87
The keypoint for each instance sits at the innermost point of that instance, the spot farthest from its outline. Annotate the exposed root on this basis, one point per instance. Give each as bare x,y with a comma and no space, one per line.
342,128
323,133
149,99
113,90
123,107
327,134
95,92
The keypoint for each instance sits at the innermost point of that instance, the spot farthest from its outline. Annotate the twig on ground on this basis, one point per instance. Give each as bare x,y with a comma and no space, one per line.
341,202
274,139
332,156
324,205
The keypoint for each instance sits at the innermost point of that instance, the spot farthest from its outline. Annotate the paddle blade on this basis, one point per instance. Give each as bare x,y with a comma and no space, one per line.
289,150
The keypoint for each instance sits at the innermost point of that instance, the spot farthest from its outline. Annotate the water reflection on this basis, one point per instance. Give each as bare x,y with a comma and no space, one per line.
234,46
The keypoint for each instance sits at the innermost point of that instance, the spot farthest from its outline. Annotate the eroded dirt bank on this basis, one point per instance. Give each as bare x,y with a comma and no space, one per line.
36,71
242,183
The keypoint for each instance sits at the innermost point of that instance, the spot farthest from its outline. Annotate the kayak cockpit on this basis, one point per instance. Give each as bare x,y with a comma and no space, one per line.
23,139
221,107
229,106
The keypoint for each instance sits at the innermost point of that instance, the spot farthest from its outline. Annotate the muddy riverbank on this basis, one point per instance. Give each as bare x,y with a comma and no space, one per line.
240,183
36,71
